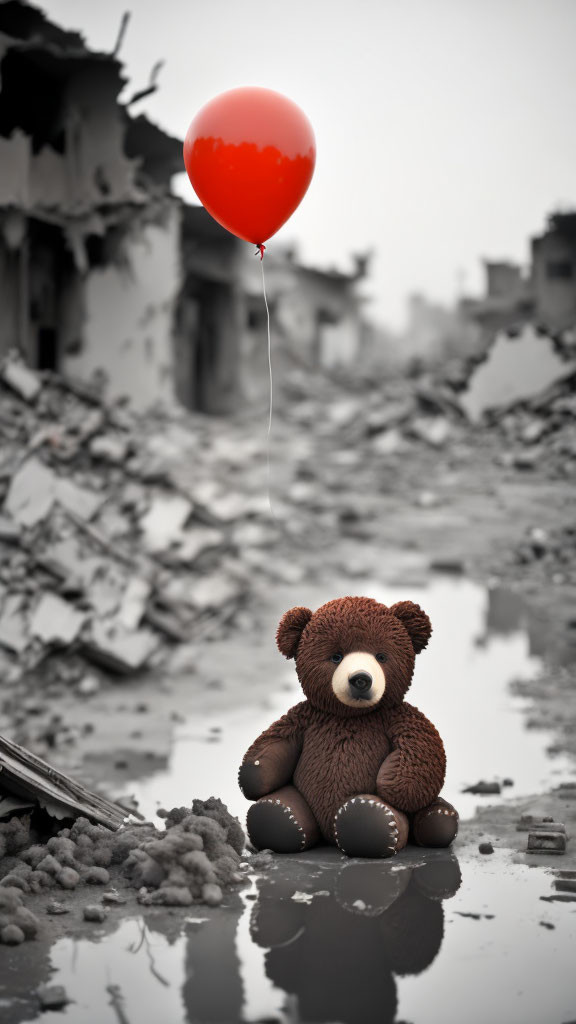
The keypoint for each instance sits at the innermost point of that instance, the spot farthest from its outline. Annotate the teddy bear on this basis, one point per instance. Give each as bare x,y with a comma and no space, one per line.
353,765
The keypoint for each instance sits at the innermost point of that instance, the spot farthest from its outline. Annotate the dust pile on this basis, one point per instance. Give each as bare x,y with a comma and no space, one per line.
193,861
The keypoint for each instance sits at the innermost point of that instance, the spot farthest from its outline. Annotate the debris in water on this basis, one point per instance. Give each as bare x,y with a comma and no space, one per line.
94,912
483,788
52,997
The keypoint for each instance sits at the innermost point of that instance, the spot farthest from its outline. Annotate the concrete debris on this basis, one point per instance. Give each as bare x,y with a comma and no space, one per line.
52,997
21,379
485,848
546,842
163,523
121,651
496,382
105,551
483,788
56,621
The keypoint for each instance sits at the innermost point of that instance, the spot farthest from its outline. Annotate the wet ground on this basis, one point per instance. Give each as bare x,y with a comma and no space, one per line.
431,936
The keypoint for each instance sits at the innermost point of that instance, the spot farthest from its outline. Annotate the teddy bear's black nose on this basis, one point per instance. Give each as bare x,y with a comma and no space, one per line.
360,684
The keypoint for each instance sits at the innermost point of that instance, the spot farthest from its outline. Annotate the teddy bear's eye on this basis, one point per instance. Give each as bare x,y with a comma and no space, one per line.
336,658
382,658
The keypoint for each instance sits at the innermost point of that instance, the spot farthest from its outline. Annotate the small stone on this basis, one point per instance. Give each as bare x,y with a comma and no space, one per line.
93,912
54,907
52,997
12,935
486,848
113,897
88,686
546,842
483,788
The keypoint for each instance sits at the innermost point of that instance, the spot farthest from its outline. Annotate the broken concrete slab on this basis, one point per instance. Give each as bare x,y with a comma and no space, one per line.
195,541
164,521
133,603
21,379
546,842
31,493
56,621
78,500
122,652
214,591
112,448
14,625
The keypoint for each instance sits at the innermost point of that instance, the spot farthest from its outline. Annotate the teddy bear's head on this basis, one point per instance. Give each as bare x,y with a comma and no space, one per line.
353,653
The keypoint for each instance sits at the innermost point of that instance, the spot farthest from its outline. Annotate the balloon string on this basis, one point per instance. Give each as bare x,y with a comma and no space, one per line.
268,436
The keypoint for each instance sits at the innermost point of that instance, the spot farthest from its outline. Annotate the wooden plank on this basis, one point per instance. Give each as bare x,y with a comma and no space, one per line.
24,774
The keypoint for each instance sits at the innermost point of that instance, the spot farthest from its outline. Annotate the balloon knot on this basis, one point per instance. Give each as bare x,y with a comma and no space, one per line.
260,248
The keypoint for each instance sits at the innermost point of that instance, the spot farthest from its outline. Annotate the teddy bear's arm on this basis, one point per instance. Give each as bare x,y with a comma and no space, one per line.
412,775
270,762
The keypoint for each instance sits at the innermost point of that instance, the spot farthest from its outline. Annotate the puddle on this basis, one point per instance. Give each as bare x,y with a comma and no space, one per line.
330,940
461,683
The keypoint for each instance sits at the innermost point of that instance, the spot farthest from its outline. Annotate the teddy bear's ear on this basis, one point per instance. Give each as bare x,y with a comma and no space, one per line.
290,630
415,622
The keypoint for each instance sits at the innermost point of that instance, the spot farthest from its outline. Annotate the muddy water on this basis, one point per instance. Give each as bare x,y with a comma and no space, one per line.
328,940
321,938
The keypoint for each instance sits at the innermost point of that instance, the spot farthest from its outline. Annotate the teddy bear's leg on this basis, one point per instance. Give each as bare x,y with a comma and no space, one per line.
283,822
436,824
366,826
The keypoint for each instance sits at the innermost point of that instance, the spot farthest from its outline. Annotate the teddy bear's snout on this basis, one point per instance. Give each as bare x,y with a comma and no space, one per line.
360,685
359,677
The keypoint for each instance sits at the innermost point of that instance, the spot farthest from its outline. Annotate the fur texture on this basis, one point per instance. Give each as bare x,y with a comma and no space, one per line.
331,751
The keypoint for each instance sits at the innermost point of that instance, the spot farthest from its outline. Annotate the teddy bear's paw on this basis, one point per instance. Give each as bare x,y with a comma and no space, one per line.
365,826
282,822
435,825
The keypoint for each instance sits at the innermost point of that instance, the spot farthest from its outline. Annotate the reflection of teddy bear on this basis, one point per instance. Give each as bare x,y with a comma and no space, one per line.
353,764
374,925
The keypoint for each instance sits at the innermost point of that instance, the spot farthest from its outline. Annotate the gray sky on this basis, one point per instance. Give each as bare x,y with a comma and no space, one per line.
446,129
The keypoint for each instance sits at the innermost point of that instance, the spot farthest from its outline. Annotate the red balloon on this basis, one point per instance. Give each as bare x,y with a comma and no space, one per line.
250,156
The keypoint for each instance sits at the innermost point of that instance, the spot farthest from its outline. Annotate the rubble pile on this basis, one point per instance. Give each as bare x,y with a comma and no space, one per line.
540,431
193,861
109,553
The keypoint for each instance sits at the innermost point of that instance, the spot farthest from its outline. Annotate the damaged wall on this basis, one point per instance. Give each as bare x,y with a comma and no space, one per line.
129,313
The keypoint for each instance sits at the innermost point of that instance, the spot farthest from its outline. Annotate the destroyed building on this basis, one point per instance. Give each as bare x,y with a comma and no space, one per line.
554,273
89,232
104,273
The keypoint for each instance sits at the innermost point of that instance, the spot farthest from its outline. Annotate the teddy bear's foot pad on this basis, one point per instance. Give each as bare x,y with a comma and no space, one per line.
365,826
282,822
435,825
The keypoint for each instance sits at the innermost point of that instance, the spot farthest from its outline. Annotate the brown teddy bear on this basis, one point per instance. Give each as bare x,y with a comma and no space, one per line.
352,765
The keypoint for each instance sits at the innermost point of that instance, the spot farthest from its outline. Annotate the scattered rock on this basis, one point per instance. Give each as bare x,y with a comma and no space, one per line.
486,848
94,912
546,842
54,907
21,379
483,788
52,997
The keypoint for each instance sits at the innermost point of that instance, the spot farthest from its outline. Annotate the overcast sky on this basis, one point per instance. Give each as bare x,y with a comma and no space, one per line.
446,129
